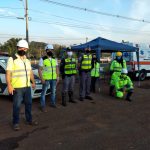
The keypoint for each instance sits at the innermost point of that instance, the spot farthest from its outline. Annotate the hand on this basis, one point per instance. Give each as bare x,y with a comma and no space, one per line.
43,81
57,80
33,85
10,89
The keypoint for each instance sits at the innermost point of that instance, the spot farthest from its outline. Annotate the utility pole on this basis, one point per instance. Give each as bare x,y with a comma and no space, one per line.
27,19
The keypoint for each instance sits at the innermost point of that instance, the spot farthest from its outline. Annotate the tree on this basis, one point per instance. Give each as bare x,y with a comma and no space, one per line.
36,49
10,46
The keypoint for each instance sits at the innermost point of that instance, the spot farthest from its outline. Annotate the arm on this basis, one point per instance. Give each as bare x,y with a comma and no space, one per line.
32,79
9,75
57,72
111,67
40,74
8,81
62,66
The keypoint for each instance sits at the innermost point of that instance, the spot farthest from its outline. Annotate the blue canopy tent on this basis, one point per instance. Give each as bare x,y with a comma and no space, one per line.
104,45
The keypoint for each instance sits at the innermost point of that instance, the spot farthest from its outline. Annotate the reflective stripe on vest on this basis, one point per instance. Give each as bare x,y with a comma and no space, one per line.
21,73
49,69
86,62
70,66
95,70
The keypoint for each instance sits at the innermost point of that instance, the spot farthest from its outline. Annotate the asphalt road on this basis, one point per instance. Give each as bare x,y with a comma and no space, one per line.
103,124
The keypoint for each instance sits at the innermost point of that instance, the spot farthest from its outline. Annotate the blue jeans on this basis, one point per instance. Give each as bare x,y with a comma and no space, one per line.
52,84
22,95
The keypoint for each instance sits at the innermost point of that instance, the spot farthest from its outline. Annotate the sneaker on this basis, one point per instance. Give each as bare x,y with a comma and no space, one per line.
43,109
16,127
32,123
88,97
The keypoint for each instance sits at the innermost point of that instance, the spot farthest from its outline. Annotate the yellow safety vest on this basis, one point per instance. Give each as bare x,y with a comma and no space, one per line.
20,73
95,70
49,69
70,66
86,63
116,66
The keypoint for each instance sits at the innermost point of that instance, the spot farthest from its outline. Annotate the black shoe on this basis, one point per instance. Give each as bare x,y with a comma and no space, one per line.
88,97
43,109
53,106
64,104
81,99
72,101
128,99
32,123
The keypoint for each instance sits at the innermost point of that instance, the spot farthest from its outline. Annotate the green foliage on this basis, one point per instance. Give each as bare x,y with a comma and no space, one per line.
57,50
36,49
10,46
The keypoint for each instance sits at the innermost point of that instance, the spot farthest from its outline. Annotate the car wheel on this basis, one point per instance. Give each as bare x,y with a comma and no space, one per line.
142,75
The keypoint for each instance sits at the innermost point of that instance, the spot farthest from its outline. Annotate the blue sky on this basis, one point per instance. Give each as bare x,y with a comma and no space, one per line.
58,21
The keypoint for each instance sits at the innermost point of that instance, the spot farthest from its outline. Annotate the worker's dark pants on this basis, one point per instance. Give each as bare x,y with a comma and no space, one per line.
93,84
85,83
68,87
22,95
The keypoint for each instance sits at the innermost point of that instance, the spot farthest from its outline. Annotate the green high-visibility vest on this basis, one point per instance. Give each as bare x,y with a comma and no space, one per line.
117,67
49,69
70,66
121,82
95,70
86,63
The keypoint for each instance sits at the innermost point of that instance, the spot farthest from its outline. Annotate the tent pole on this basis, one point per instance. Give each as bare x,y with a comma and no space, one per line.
137,54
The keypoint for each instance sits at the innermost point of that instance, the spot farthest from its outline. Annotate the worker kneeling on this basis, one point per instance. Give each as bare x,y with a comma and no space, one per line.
123,84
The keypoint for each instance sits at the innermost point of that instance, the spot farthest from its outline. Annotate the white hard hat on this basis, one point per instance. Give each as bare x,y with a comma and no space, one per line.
49,46
23,43
125,71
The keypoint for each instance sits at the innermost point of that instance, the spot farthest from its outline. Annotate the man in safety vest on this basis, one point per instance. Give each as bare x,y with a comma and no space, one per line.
68,69
95,73
115,68
18,77
123,84
49,75
85,67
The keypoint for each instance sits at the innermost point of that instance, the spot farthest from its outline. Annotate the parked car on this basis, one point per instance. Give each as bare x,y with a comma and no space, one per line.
3,87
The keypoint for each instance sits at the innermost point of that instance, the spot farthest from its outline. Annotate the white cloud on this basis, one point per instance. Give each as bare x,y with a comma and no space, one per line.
140,9
7,13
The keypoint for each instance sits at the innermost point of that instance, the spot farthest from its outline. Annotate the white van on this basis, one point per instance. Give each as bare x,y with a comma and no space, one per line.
3,86
144,61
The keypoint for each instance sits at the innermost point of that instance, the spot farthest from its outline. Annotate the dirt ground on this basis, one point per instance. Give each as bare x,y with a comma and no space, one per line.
103,124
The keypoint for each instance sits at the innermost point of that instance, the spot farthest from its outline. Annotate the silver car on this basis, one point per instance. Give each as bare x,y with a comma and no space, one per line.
3,86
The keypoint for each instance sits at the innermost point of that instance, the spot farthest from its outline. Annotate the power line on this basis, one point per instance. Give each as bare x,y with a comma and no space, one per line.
96,12
79,26
76,20
88,28
93,24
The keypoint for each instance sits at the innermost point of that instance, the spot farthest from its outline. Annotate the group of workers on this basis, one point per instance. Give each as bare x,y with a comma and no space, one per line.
20,78
120,82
